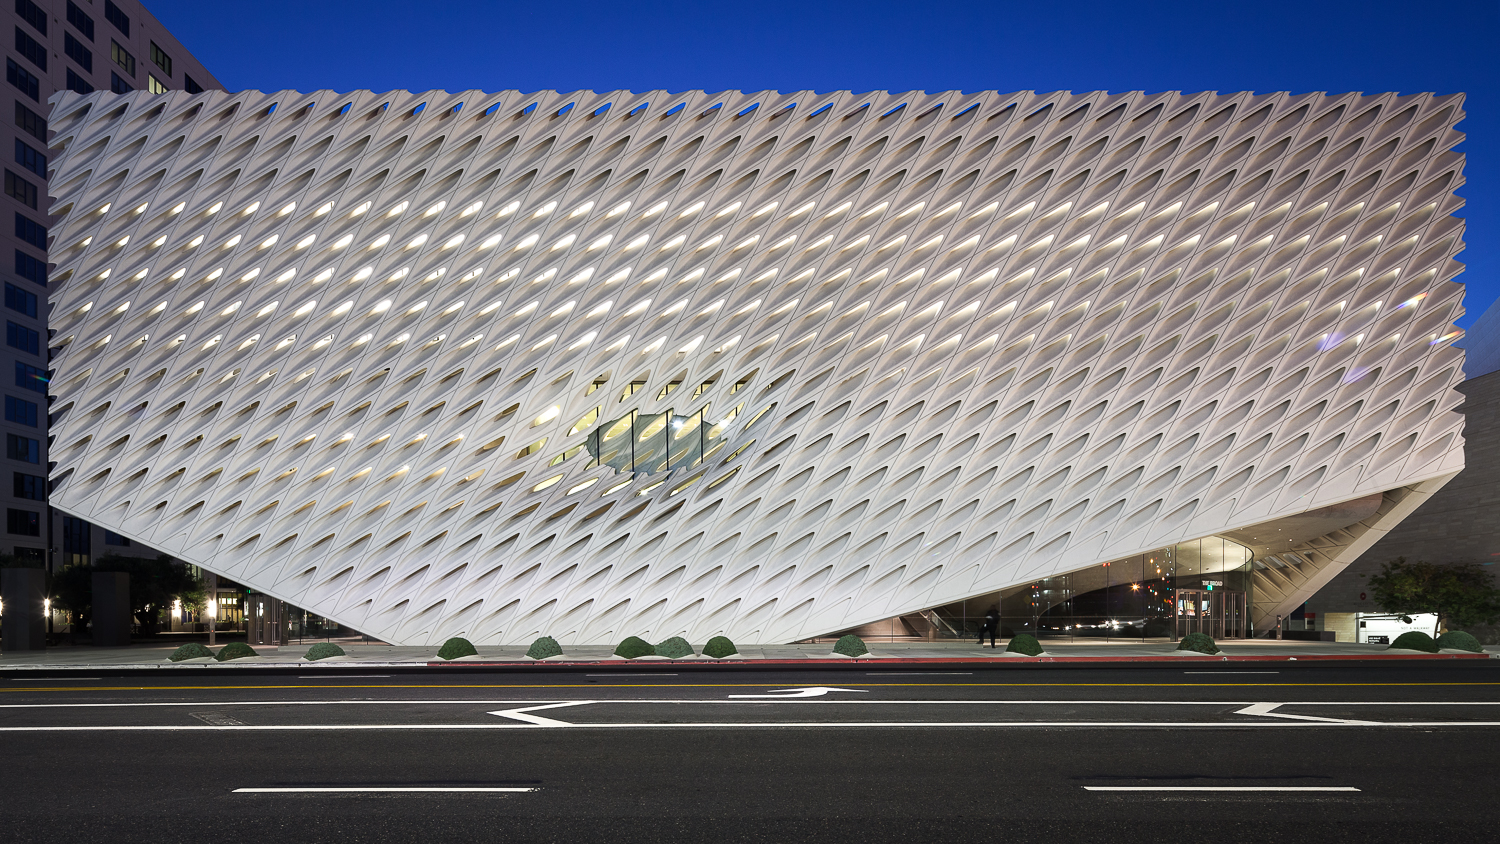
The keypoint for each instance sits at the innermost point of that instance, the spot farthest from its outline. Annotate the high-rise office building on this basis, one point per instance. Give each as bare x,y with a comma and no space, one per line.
769,365
57,45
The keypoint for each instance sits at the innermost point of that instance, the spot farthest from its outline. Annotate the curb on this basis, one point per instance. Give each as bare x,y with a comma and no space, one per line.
744,665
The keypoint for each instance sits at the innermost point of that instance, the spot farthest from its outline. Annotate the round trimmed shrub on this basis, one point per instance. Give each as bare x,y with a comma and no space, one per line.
455,648
634,647
543,648
1458,640
1198,643
719,647
674,648
1024,643
192,650
235,650
323,650
850,645
1415,640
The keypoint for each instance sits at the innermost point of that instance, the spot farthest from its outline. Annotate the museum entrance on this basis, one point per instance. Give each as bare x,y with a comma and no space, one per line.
1221,613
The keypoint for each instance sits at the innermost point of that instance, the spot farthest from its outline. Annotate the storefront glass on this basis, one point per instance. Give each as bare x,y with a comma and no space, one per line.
1132,599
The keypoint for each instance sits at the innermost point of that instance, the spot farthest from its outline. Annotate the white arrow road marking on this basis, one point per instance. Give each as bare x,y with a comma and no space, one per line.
809,691
1265,710
520,714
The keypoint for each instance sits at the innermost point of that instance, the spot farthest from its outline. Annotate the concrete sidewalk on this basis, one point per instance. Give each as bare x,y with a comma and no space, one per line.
932,653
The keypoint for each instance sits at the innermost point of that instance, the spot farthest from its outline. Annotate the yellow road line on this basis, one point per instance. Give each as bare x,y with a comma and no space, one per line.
717,686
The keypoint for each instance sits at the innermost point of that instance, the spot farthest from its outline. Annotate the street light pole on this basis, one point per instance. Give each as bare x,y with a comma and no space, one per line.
213,605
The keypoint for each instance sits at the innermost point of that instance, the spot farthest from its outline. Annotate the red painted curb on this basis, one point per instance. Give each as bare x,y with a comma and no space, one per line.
932,661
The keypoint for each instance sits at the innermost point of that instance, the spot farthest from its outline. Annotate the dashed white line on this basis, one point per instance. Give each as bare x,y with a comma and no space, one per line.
345,677
1219,788
377,790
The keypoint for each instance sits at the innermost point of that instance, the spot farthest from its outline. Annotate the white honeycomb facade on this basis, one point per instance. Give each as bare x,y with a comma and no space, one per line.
348,348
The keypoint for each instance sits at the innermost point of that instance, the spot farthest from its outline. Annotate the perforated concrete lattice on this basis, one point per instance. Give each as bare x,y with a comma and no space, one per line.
349,349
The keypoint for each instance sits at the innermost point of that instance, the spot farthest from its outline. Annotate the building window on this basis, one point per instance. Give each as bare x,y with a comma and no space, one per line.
81,22
155,85
118,85
29,157
119,56
30,268
32,487
23,80
112,538
31,123
19,189
76,541
78,83
20,411
18,447
30,230
23,338
74,49
23,522
34,556
29,377
160,58
20,301
32,14
113,14
190,86
34,51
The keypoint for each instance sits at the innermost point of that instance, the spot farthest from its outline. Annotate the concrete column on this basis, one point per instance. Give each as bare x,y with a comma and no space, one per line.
111,609
24,594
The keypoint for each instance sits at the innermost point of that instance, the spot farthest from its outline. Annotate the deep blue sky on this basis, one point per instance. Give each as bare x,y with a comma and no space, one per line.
1311,45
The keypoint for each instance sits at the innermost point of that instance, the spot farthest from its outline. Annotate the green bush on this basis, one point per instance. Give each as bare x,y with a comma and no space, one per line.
1458,640
323,650
455,648
1415,640
674,648
235,650
850,645
192,650
543,648
1198,643
1024,643
719,647
635,647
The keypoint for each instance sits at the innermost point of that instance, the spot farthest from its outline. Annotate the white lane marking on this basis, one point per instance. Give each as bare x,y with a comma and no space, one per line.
1219,788
630,674
366,789
344,677
772,699
918,673
1267,710
48,679
1231,672
537,720
807,691
720,725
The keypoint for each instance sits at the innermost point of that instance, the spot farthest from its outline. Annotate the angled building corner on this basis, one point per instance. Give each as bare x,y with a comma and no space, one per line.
767,365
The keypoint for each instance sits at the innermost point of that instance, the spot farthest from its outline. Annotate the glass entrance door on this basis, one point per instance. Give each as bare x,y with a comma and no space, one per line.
1218,612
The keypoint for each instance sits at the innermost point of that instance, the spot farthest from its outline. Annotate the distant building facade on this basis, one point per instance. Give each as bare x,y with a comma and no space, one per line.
58,45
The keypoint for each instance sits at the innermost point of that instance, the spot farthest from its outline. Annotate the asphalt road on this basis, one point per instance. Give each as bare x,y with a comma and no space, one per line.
1321,753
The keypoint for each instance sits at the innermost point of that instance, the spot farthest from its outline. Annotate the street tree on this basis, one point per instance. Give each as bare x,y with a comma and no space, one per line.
1460,595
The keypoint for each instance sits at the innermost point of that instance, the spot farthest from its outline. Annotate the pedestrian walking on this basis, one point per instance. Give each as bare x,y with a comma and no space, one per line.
991,625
